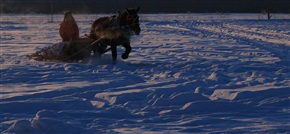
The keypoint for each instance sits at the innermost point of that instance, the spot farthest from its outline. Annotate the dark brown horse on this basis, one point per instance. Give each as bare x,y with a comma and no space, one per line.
114,31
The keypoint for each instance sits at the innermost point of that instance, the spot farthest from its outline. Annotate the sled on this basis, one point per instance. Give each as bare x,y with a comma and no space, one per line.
69,51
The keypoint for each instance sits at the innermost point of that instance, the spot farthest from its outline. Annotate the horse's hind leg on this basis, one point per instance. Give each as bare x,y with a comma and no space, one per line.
100,48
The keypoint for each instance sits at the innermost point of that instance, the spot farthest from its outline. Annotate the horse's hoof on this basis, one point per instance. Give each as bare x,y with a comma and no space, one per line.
125,56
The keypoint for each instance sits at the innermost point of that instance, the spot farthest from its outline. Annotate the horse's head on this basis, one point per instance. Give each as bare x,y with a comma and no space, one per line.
129,18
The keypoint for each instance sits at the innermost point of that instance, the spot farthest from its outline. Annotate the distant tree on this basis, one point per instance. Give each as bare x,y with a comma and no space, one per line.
268,13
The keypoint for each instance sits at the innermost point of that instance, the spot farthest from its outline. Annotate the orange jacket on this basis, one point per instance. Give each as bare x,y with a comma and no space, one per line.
68,30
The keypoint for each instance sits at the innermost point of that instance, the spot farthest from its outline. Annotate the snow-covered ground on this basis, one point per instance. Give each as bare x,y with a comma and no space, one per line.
216,73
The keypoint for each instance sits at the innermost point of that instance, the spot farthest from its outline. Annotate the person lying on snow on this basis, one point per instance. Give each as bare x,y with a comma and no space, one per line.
67,51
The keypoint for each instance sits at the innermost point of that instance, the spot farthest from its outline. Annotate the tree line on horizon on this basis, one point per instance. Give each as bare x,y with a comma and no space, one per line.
147,6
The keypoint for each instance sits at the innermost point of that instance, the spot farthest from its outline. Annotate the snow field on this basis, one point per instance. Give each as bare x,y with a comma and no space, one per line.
192,73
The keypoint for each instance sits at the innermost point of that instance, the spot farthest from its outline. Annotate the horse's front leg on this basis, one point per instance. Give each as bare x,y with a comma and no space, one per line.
114,53
128,49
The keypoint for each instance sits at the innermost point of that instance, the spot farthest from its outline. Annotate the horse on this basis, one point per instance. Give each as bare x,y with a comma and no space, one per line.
114,31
